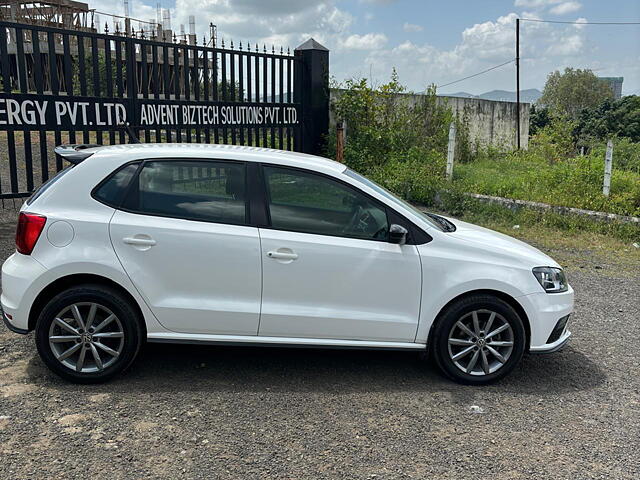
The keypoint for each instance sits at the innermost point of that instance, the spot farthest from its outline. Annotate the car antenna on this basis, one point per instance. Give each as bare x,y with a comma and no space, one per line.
132,135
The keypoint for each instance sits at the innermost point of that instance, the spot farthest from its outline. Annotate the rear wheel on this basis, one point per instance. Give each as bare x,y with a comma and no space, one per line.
478,340
88,333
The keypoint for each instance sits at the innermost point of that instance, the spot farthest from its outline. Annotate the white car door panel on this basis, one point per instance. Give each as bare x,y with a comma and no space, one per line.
319,286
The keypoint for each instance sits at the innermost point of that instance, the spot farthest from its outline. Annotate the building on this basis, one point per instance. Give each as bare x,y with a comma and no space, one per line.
615,83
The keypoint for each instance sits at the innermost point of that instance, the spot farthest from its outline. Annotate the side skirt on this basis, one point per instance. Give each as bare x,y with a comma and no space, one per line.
256,341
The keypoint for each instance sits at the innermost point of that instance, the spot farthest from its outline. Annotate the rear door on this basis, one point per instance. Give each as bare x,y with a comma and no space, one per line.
184,239
328,269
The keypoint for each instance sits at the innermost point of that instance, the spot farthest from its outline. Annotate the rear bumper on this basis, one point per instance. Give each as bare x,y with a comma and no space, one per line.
10,326
20,274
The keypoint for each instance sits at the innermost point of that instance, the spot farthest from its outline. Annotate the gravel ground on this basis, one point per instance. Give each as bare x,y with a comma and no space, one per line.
214,412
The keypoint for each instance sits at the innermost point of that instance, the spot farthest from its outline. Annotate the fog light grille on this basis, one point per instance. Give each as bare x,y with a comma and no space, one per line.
558,330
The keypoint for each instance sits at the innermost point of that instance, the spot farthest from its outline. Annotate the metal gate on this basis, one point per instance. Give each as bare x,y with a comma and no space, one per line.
69,86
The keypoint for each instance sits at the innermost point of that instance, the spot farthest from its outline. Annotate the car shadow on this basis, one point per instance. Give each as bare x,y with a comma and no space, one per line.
166,368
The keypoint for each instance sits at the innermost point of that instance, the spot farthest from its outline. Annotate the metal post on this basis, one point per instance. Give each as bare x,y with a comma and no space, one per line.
608,162
312,91
518,83
451,150
340,142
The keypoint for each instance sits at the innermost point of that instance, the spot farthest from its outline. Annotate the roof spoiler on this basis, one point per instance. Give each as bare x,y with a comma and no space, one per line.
75,153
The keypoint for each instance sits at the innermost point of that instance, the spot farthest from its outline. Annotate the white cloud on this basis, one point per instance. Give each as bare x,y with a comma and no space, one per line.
369,41
565,8
412,27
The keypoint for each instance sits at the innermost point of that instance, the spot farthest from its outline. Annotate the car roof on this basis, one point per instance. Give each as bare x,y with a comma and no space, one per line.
149,151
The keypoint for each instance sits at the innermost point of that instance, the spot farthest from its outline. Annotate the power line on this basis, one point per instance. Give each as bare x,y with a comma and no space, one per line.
578,23
476,74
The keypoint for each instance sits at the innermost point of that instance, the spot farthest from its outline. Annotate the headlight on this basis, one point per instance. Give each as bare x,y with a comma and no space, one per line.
552,279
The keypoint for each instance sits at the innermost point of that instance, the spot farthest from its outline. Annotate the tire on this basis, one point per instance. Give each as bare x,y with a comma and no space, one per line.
114,333
455,348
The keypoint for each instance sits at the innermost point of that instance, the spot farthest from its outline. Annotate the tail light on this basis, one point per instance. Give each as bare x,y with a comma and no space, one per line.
29,229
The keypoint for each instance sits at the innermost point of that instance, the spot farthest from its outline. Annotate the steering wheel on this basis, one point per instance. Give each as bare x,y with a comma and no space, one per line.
355,218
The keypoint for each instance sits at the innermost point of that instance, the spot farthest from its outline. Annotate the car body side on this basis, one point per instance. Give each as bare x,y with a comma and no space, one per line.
453,264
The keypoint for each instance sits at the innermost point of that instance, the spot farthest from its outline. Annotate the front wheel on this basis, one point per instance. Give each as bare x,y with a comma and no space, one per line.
478,340
88,333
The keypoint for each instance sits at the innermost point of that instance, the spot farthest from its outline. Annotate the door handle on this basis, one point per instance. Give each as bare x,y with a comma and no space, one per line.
142,242
282,255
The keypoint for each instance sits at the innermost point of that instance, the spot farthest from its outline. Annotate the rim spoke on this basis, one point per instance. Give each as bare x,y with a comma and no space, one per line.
80,363
110,351
63,338
459,341
498,330
476,323
108,335
496,354
69,352
91,316
462,353
500,344
485,362
62,324
76,315
96,357
487,327
105,322
465,329
473,361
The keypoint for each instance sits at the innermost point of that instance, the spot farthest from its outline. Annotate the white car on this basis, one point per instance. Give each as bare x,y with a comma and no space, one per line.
239,245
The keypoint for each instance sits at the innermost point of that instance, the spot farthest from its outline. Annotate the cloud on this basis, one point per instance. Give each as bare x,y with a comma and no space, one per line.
565,8
535,3
369,41
412,27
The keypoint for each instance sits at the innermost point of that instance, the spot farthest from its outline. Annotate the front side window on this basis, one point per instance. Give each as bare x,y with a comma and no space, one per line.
311,203
194,190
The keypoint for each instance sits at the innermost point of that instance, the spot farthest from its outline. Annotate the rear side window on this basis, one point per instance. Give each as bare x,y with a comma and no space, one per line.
46,185
209,191
112,190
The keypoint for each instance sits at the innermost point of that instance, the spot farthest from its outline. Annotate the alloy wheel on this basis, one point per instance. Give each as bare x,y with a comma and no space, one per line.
480,342
86,337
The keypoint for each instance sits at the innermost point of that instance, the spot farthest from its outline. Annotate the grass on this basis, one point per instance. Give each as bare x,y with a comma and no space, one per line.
575,182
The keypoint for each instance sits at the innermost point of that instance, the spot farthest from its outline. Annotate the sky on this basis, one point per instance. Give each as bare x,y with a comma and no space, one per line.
427,41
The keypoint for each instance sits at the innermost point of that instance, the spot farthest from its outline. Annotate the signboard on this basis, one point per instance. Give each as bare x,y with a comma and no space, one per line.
35,112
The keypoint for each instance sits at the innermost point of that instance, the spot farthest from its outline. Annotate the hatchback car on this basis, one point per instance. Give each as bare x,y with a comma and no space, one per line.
238,245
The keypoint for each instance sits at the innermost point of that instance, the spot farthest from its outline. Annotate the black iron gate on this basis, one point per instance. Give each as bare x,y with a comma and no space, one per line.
69,86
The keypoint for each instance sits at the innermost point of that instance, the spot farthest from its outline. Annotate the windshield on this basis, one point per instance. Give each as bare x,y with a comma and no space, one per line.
392,198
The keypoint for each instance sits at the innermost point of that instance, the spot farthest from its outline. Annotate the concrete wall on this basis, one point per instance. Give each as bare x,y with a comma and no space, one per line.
490,122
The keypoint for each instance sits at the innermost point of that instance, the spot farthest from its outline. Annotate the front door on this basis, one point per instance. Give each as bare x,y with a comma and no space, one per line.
185,245
328,270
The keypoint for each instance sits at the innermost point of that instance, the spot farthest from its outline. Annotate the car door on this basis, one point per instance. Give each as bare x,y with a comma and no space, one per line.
183,238
328,270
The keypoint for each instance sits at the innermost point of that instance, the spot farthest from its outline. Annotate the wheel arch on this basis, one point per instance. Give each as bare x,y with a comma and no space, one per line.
68,281
511,301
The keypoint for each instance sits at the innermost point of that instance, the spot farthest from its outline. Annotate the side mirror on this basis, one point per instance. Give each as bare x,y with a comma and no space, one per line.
397,234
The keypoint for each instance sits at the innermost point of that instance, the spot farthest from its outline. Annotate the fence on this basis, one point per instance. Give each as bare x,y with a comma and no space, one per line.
69,86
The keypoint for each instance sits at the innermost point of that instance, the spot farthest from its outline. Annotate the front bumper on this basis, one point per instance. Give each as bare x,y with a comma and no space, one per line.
544,311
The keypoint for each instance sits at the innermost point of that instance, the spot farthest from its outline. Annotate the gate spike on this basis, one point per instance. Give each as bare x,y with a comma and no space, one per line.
240,47
281,50
264,47
175,39
248,46
106,27
231,44
222,42
273,49
257,47
288,52
117,28
204,40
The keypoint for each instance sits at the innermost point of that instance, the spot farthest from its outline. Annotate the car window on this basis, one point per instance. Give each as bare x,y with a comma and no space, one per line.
312,203
112,190
194,190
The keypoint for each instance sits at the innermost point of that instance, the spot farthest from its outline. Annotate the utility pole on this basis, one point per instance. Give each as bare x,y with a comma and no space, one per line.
518,83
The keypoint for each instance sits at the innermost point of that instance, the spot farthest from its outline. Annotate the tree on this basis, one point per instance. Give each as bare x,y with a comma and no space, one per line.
620,118
539,118
574,90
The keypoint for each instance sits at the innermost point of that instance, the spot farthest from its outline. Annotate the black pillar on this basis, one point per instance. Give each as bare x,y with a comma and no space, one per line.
312,92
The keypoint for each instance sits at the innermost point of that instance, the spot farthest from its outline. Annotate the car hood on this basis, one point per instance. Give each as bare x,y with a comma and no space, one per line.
499,244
